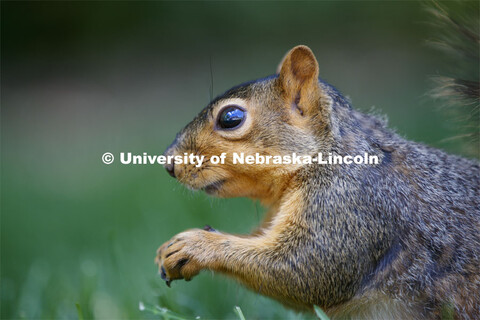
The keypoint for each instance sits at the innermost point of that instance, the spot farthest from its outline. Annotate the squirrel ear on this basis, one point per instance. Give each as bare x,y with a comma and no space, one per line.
298,75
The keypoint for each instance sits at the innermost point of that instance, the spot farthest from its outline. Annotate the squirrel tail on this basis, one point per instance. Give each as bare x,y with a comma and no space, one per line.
458,30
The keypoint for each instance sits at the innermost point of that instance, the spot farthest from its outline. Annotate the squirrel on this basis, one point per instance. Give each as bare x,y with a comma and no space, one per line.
395,240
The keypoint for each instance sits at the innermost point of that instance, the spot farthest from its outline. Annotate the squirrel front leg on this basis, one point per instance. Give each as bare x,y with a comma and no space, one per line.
259,262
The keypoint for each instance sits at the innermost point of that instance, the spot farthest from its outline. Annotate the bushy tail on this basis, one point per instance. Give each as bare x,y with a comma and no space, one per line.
458,37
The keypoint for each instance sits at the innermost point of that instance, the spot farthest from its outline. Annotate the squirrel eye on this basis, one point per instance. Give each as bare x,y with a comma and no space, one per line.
231,117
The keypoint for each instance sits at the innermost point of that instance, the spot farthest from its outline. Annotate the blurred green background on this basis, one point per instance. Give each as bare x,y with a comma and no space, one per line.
83,78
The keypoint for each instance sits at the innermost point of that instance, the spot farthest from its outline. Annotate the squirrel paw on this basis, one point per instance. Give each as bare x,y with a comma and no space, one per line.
181,257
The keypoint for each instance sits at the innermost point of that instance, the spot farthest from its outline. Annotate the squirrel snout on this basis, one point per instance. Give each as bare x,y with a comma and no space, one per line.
170,167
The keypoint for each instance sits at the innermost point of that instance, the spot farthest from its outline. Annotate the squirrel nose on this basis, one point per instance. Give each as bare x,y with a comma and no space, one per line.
170,167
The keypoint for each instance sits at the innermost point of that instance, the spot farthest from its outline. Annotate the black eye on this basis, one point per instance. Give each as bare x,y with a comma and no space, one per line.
231,117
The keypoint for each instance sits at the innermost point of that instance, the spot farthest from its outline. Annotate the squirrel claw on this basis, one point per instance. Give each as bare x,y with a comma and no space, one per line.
163,275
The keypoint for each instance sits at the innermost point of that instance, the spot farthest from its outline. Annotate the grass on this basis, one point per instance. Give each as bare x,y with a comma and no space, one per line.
166,314
320,313
163,313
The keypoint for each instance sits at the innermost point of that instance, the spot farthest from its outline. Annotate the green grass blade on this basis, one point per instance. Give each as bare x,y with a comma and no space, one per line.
320,313
79,311
239,313
163,312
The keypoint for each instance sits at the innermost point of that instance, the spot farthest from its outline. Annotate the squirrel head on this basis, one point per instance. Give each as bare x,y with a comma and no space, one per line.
278,115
